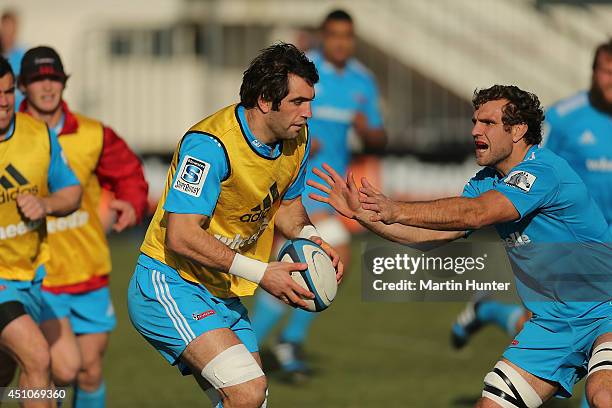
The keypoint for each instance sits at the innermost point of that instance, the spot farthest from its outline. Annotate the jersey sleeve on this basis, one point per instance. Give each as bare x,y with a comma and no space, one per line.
202,166
59,174
470,190
529,186
297,187
371,106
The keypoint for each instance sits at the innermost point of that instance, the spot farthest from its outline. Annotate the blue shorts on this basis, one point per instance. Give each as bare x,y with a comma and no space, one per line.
28,293
557,350
88,312
170,312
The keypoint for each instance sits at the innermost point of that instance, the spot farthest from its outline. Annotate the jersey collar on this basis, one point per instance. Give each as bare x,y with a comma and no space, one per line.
71,125
262,149
11,129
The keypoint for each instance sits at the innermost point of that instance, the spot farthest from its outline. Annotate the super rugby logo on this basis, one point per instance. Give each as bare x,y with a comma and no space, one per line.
191,176
520,179
14,183
259,212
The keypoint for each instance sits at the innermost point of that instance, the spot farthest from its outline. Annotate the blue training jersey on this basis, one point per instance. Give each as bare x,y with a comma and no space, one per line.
209,150
339,95
582,135
559,248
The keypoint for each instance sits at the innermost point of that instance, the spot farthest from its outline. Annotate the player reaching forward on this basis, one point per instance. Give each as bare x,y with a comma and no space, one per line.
234,177
531,192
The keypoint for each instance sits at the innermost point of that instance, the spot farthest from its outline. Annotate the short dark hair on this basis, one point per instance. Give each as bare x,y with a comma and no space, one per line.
5,68
337,15
268,74
522,108
602,48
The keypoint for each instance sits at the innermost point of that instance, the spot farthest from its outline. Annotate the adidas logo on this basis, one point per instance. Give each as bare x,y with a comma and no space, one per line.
260,211
13,180
587,138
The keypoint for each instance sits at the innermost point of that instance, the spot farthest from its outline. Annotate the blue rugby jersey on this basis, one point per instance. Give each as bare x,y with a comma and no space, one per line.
559,248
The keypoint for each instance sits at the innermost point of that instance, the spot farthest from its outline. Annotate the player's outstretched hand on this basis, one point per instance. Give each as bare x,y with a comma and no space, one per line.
126,214
372,199
277,281
333,254
32,207
342,195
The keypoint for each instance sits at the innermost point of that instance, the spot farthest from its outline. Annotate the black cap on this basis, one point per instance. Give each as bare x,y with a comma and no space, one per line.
41,62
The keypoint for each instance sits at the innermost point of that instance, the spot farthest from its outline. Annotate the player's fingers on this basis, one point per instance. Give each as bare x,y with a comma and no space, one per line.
366,183
319,186
371,207
323,175
367,191
375,217
369,200
299,292
296,266
333,173
350,180
318,197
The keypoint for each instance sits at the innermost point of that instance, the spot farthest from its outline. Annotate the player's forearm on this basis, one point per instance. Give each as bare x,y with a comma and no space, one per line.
291,218
374,138
447,214
64,201
405,234
192,242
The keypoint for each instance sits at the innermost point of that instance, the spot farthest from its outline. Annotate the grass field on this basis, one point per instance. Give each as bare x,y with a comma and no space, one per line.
365,355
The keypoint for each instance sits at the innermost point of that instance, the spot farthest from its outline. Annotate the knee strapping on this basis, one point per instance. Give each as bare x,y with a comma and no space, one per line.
601,358
508,388
234,365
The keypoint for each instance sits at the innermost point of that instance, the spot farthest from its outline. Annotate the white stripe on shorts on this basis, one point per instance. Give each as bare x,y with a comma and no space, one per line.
169,312
176,308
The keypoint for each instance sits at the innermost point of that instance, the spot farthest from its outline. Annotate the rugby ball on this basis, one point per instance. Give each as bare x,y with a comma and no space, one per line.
319,278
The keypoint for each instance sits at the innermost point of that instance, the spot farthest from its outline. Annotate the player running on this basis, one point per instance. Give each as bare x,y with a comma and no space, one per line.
35,182
234,177
578,129
78,314
347,98
570,333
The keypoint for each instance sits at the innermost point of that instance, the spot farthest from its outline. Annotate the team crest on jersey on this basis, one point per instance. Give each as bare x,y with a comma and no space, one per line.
520,179
191,176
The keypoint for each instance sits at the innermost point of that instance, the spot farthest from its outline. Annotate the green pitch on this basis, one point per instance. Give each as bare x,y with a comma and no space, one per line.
365,354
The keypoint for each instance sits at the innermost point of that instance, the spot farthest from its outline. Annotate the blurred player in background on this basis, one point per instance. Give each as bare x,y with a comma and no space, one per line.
10,48
78,314
532,197
35,181
579,129
234,177
346,98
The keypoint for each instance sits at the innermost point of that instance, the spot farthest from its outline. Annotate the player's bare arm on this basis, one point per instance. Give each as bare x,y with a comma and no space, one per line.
59,204
292,221
447,214
344,197
374,138
186,237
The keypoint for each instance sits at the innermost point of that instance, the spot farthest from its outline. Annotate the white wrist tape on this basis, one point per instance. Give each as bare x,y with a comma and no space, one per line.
247,268
308,231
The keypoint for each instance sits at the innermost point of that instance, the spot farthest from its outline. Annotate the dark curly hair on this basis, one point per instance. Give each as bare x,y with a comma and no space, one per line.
268,74
5,68
522,108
